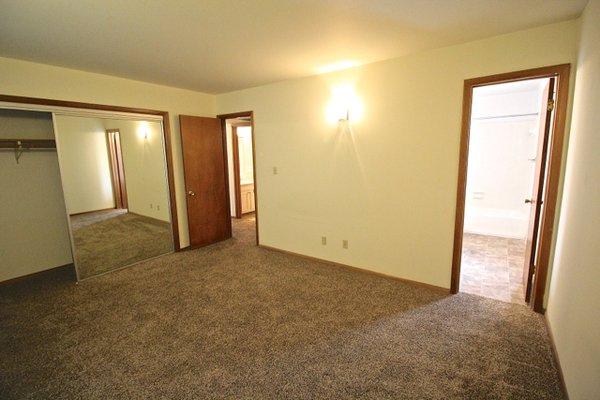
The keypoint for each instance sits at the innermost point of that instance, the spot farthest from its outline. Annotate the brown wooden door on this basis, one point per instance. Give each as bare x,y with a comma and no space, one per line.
536,199
204,162
113,137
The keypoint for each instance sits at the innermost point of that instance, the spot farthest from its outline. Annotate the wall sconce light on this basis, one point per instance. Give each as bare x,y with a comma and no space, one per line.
345,118
143,132
344,105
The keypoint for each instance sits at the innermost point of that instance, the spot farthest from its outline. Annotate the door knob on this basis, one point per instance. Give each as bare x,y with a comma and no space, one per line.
527,201
191,193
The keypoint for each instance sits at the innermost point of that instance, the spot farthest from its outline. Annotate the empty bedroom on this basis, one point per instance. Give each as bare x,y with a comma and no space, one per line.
299,199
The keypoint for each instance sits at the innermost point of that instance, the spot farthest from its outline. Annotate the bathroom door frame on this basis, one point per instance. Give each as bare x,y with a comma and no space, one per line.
551,182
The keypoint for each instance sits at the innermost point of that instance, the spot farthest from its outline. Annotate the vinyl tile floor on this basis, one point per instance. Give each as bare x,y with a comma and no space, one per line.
493,267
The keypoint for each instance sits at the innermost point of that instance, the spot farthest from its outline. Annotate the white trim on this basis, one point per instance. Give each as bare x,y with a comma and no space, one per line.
62,188
80,112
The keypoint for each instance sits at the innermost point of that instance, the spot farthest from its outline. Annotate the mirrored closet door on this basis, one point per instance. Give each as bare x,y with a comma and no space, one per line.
114,178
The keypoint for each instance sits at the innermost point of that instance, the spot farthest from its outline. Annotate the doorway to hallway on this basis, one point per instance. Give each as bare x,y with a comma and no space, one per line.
239,132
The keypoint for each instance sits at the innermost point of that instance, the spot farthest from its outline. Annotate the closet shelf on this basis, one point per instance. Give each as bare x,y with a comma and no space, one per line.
21,145
27,143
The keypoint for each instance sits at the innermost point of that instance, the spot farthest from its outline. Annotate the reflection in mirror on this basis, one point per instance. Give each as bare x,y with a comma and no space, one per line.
114,178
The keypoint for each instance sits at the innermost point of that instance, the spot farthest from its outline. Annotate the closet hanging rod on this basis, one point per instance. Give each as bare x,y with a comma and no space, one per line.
27,144
506,116
21,145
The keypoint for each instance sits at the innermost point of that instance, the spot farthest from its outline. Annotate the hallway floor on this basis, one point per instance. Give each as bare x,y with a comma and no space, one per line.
493,267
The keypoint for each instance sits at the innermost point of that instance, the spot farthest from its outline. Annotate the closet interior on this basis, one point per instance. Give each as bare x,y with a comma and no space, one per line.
87,192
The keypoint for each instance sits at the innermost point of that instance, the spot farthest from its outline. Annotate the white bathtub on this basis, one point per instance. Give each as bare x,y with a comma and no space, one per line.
496,222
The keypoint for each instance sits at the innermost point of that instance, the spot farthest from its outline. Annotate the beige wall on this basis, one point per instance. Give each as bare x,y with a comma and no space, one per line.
245,157
388,187
84,164
23,78
574,299
145,168
34,233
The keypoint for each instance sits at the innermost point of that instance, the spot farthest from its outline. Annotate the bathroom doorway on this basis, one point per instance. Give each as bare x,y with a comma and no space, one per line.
510,161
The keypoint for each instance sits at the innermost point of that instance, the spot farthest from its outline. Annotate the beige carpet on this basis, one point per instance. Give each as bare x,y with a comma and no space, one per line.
111,239
233,321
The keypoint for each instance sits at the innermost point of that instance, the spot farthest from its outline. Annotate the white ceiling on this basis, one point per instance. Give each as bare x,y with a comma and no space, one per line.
221,45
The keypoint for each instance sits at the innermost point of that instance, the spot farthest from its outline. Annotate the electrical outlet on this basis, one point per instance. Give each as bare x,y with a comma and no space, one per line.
323,240
274,170
157,207
345,244
151,206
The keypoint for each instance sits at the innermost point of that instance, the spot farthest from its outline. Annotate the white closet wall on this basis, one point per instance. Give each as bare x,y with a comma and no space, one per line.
34,234
85,164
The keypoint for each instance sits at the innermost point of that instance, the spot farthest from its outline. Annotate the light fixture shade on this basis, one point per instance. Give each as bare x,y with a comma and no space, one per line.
344,105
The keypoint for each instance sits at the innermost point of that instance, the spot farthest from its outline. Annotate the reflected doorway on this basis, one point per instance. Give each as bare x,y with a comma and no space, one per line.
241,174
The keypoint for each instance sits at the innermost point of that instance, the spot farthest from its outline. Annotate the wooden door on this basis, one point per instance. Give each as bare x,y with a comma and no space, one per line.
113,138
536,199
204,162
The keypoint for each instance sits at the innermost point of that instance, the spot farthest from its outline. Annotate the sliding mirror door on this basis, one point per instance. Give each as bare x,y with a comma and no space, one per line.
114,178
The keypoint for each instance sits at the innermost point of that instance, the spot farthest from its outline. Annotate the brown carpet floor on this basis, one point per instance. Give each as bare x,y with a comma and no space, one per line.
111,239
80,220
233,321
